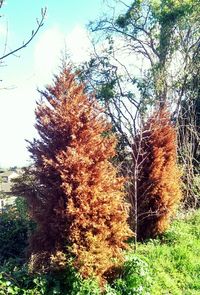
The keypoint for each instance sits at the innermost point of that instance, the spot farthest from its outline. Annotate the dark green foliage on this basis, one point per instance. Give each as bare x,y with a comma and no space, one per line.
106,91
17,280
14,230
13,237
22,208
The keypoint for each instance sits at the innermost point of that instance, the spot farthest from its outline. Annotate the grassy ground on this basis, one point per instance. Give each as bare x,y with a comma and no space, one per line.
174,259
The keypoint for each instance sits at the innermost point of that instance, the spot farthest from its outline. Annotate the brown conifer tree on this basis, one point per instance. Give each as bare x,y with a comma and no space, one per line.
79,206
159,178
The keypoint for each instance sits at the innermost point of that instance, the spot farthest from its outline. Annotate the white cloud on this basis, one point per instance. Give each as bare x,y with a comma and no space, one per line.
78,44
47,54
48,51
16,121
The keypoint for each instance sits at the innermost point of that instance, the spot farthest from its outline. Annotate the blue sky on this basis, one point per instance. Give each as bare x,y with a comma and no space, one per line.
33,66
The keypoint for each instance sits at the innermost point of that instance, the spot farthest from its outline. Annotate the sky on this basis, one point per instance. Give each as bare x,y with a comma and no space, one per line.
34,66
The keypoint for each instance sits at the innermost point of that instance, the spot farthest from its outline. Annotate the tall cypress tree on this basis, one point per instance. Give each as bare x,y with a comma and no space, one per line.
79,207
158,186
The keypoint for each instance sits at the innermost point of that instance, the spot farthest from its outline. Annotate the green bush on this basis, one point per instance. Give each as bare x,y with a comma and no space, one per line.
13,237
135,278
69,282
14,230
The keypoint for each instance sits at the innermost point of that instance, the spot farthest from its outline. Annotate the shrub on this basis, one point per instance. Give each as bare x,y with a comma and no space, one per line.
17,280
135,278
14,230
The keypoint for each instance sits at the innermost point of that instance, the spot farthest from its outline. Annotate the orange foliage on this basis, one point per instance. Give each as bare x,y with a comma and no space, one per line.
159,180
80,208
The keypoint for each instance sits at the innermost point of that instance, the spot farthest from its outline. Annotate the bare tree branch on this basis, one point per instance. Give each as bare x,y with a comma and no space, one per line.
34,32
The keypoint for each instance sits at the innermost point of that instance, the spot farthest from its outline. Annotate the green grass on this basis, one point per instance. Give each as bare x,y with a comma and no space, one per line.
174,259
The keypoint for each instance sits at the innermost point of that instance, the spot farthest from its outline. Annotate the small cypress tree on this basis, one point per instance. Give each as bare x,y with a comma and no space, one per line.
159,178
79,207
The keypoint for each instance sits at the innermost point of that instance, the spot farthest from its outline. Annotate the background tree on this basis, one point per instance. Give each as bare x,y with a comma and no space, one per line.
189,135
161,38
79,208
164,34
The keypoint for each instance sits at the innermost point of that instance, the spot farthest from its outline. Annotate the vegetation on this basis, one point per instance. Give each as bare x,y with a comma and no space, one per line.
15,227
161,38
156,32
172,258
81,251
68,231
166,265
79,206
156,176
